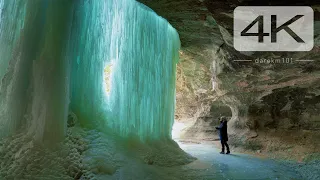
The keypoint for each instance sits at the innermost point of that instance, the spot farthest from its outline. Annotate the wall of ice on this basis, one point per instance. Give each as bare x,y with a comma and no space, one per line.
34,78
53,56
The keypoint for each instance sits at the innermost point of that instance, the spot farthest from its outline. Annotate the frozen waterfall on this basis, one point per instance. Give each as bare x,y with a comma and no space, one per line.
53,57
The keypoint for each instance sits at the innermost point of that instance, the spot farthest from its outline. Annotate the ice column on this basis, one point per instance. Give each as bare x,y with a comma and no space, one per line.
34,68
49,48
143,50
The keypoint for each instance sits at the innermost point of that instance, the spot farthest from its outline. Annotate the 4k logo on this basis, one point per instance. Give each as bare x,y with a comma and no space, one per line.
273,28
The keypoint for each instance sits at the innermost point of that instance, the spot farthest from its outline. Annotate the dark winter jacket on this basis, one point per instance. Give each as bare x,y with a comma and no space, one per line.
223,132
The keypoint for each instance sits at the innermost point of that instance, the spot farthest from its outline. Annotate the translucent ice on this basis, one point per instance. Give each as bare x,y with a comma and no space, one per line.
143,51
50,48
34,68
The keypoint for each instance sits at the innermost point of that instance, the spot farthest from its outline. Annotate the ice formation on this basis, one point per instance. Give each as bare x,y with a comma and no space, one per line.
53,56
34,87
143,51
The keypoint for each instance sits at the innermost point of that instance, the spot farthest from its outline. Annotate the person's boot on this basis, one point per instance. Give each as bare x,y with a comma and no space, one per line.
228,152
222,152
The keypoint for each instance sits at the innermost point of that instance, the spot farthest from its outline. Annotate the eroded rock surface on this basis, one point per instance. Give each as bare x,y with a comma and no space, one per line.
264,97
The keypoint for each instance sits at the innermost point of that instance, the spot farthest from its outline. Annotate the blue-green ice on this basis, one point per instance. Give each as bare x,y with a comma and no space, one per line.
54,55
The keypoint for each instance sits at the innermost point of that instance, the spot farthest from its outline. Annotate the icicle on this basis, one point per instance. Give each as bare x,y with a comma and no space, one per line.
34,89
37,47
143,50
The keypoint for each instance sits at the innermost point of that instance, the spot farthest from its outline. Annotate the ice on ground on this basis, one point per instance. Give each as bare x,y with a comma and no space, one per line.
88,154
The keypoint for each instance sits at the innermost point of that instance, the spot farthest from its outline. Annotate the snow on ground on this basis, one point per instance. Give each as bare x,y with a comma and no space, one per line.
93,155
210,165
245,167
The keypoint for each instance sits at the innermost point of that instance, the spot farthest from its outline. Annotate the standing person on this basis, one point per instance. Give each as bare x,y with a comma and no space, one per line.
223,134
